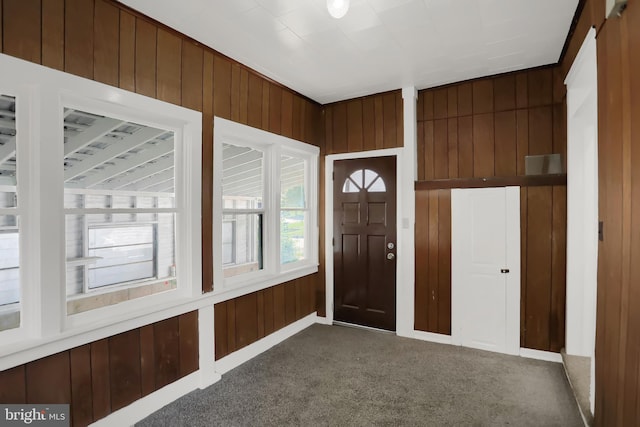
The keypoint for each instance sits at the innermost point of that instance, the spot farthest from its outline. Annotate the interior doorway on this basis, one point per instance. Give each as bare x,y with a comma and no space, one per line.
485,231
364,241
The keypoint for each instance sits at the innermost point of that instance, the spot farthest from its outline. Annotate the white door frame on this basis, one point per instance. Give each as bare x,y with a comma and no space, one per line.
582,204
513,264
328,226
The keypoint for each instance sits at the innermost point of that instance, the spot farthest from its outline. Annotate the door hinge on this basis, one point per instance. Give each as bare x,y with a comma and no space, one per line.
333,176
333,241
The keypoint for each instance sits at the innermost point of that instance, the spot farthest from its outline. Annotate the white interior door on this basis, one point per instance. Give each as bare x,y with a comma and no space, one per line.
486,268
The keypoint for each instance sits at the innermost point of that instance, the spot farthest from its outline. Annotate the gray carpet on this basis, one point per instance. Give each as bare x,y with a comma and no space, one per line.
340,376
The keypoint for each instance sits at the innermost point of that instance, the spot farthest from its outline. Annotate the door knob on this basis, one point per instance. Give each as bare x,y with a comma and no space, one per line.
390,256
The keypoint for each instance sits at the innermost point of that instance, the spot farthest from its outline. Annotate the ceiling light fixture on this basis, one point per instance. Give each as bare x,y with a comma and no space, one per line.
338,8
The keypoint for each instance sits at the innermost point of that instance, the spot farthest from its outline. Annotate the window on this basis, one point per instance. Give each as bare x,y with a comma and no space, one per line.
267,217
100,215
364,179
120,204
10,288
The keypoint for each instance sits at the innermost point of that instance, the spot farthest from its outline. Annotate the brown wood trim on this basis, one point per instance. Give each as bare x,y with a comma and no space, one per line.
572,29
185,37
497,181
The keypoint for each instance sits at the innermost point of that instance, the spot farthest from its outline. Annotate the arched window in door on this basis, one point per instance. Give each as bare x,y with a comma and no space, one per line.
364,179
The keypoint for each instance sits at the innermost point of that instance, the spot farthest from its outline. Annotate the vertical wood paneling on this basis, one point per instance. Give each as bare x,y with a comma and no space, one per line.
452,131
21,29
379,121
289,302
540,87
145,58
166,338
147,360
444,262
441,103
246,320
100,40
279,321
192,76
243,100
53,33
390,123
51,370
275,109
269,327
368,123
504,93
220,331
254,107
421,319
13,388
483,145
539,254
505,143
78,37
339,131
483,96
541,130
81,398
188,336
433,288
429,149
127,63
100,379
441,149
355,140
465,147
169,77
105,49
558,268
490,128
465,99
221,87
124,369
286,125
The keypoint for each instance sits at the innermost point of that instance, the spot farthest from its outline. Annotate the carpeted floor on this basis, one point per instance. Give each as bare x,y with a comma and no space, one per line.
340,376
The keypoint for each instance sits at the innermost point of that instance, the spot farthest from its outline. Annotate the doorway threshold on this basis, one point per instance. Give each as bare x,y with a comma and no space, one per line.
356,326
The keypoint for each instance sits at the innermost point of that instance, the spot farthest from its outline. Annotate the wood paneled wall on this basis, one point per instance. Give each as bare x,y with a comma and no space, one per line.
362,124
108,42
618,310
485,128
106,375
245,320
433,261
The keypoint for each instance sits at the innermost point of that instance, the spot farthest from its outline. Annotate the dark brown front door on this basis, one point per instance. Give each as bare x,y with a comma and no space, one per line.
364,247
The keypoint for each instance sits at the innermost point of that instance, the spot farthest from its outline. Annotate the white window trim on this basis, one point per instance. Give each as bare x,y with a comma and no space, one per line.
226,131
41,95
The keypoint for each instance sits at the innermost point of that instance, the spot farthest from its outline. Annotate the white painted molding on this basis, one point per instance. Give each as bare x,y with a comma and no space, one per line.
206,328
431,337
323,321
141,408
540,355
408,164
247,353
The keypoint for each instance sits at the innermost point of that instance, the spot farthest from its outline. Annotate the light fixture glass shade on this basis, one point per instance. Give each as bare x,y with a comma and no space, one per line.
338,8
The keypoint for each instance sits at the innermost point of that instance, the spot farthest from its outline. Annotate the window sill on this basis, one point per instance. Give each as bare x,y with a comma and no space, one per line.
238,289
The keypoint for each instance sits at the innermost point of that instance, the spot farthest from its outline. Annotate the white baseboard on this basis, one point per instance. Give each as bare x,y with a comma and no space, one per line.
324,321
141,408
241,356
430,336
540,355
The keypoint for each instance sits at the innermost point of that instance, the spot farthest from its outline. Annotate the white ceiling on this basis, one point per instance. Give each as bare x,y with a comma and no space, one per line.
379,45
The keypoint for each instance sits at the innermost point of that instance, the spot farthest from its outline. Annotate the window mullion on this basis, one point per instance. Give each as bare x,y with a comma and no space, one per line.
51,214
276,200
